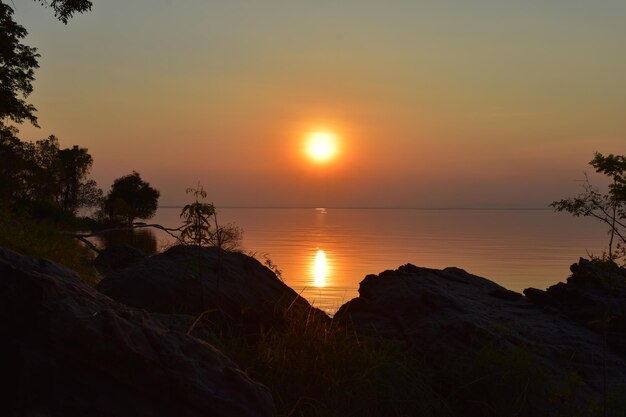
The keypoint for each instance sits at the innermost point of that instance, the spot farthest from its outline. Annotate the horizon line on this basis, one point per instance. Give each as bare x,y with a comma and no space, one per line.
511,208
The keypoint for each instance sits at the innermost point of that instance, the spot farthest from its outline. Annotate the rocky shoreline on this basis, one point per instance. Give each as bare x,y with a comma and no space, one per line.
446,311
136,345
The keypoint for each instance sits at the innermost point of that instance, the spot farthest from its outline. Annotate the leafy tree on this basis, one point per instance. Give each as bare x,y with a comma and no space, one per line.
14,165
60,176
17,70
16,168
75,191
609,207
43,173
18,61
130,198
42,183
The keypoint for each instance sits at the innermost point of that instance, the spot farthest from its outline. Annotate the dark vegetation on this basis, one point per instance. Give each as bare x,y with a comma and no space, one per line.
43,186
608,207
201,228
130,198
317,368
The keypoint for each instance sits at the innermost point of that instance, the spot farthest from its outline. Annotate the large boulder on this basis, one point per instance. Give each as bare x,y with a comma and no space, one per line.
450,311
226,287
67,350
594,296
117,257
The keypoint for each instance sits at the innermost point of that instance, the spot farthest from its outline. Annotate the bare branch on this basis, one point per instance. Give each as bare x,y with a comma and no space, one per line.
85,241
82,236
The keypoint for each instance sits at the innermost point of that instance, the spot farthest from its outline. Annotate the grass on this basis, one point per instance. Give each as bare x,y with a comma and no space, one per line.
40,239
317,368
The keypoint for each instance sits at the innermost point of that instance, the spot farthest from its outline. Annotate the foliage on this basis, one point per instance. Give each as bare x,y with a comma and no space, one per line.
608,207
18,61
272,266
65,9
196,219
74,190
14,166
130,198
200,225
17,70
228,236
44,175
40,239
143,239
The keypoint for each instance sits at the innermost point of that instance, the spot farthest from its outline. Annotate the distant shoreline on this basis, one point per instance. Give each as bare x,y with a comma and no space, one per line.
379,208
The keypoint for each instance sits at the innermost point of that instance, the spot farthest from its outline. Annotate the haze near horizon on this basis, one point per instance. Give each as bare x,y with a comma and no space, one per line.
432,104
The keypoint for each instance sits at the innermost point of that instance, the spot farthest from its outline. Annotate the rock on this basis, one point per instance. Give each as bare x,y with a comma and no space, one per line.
537,296
505,294
69,350
230,289
594,296
449,311
117,257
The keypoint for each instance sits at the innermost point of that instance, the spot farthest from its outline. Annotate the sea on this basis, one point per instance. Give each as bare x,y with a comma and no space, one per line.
324,253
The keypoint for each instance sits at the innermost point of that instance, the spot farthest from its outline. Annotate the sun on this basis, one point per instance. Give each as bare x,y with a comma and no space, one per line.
321,146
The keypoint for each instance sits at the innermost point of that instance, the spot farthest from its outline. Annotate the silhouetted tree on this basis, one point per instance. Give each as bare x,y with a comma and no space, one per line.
43,185
197,228
75,191
65,9
39,175
609,207
15,166
18,61
130,198
43,173
196,219
17,70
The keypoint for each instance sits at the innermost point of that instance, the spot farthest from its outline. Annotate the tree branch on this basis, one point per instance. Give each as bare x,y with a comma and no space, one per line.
606,220
82,236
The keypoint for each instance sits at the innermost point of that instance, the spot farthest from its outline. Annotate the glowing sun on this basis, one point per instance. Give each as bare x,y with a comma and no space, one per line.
321,146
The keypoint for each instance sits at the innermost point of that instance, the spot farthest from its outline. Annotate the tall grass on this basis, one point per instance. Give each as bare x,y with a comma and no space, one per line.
315,368
319,368
40,239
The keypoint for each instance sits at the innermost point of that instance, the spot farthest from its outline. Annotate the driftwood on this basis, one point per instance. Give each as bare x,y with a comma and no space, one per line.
83,236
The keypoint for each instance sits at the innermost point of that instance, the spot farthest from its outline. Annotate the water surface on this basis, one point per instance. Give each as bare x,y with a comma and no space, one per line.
515,248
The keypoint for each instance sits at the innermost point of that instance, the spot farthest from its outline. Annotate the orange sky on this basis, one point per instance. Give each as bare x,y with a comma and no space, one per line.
437,104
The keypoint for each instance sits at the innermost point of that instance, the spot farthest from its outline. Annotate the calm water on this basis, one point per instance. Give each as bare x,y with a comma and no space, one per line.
515,248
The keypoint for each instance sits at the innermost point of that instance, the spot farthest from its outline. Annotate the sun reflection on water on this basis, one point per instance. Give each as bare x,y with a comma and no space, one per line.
320,269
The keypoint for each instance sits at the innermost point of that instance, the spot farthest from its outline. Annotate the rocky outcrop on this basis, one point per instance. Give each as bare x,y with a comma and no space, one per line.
67,350
230,289
594,296
117,257
447,311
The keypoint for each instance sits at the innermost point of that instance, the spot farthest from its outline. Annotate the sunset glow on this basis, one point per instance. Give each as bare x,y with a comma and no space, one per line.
484,104
322,192
321,146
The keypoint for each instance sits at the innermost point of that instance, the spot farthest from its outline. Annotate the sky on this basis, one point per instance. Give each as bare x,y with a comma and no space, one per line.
482,103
